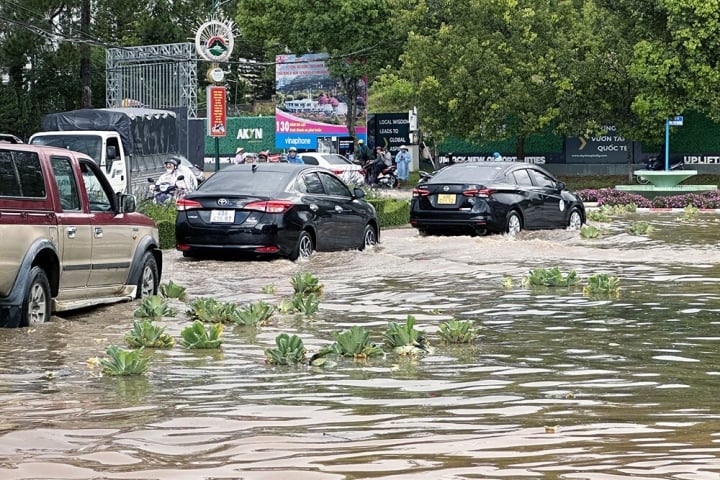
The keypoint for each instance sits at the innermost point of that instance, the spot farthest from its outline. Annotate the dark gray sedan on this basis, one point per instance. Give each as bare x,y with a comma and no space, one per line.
482,197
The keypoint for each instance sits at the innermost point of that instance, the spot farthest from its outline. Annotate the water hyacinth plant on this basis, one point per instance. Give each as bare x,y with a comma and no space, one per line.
144,333
209,310
289,351
602,283
405,338
255,314
354,343
640,228
196,336
305,283
307,305
173,290
154,306
549,277
458,331
588,231
120,362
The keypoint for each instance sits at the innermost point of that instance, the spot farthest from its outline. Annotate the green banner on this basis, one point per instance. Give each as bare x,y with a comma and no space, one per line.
254,134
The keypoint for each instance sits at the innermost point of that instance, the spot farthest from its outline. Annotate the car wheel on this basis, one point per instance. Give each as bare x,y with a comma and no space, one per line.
369,237
513,225
149,277
304,246
36,301
574,220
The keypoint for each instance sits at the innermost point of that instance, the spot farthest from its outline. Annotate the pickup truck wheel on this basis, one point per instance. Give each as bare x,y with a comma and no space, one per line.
36,301
149,277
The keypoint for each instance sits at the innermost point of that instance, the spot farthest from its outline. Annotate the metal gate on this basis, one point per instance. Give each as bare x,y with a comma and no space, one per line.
153,76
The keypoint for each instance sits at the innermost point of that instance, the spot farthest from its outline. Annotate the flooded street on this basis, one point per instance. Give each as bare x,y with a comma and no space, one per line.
559,385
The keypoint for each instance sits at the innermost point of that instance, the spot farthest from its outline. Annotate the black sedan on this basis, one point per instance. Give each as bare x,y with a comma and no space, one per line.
274,209
503,197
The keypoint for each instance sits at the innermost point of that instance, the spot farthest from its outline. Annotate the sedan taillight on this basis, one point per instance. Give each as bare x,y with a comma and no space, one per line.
270,206
420,192
184,204
338,172
478,192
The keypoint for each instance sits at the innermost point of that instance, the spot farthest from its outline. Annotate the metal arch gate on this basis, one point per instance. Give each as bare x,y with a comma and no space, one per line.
155,76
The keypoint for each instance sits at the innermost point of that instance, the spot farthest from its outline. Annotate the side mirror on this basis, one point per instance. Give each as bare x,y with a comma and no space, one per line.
561,185
358,192
181,177
128,203
151,180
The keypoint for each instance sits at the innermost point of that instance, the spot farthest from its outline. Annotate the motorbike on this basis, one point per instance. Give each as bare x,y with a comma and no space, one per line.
658,163
164,192
386,178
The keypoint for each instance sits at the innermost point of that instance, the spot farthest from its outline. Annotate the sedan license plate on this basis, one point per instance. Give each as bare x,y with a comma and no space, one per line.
222,216
446,199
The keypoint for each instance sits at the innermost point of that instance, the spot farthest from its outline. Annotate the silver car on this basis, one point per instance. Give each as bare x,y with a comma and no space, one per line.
349,172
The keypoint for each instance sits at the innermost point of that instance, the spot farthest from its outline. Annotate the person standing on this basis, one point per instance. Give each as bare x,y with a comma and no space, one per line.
402,160
293,156
239,155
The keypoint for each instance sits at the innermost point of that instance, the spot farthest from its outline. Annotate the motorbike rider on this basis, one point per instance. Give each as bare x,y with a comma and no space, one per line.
173,170
293,157
382,161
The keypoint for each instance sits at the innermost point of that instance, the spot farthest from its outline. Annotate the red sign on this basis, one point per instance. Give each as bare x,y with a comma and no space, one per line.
217,111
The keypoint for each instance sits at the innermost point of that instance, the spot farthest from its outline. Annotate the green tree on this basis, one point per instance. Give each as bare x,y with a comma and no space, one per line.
491,69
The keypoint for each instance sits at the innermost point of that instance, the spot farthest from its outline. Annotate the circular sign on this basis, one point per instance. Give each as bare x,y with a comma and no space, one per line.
214,40
215,75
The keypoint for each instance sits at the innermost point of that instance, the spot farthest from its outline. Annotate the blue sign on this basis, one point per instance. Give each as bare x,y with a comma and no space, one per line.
676,121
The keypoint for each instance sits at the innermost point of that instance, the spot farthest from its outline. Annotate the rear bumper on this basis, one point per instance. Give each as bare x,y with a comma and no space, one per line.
470,222
236,241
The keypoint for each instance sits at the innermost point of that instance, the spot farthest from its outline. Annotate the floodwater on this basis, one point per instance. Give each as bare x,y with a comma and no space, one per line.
558,386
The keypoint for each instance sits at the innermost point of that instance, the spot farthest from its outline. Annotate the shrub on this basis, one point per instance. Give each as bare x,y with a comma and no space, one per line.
166,232
391,212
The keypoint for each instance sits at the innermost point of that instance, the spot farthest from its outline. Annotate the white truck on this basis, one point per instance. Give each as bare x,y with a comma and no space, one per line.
129,144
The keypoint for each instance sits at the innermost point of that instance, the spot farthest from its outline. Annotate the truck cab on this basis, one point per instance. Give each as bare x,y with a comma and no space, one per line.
104,147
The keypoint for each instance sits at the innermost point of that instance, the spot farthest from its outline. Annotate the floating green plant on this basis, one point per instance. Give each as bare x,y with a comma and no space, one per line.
269,289
458,331
154,306
120,362
599,215
306,304
289,351
549,277
255,314
690,213
508,282
640,228
197,336
173,290
405,338
144,333
209,310
305,283
588,231
602,283
354,342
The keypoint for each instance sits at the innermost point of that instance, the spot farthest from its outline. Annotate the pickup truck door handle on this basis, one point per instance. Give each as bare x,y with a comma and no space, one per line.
98,232
71,231
338,209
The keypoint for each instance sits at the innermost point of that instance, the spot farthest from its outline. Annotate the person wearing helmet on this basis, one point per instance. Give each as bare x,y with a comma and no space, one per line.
497,157
361,154
263,156
293,157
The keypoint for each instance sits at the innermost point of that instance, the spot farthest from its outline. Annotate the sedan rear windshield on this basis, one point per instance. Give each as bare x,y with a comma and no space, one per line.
482,172
245,182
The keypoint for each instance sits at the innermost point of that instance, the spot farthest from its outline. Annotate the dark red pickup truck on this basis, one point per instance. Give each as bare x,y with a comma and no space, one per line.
68,241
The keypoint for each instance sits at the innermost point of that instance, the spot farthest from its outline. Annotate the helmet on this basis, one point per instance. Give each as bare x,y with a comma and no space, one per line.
172,160
292,149
496,155
360,142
